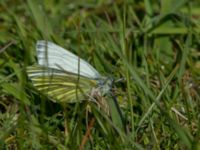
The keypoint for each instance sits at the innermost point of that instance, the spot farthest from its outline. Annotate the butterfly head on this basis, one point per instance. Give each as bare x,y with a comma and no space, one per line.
105,85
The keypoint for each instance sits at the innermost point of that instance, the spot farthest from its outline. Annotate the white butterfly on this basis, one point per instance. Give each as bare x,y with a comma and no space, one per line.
59,73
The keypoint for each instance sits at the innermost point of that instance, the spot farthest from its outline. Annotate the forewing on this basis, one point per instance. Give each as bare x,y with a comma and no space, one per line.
59,85
53,56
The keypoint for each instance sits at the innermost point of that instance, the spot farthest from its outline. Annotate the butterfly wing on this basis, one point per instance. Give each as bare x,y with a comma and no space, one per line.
59,85
62,75
53,56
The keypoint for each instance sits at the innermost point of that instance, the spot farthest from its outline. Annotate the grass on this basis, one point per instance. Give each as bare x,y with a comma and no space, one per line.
151,47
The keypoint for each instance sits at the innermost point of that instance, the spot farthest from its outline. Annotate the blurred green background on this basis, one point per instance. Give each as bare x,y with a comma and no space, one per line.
152,45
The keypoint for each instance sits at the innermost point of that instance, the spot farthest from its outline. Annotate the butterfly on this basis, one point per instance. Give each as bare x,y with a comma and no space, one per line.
64,77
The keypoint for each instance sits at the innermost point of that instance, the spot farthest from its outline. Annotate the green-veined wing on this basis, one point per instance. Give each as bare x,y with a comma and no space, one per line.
62,75
61,86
